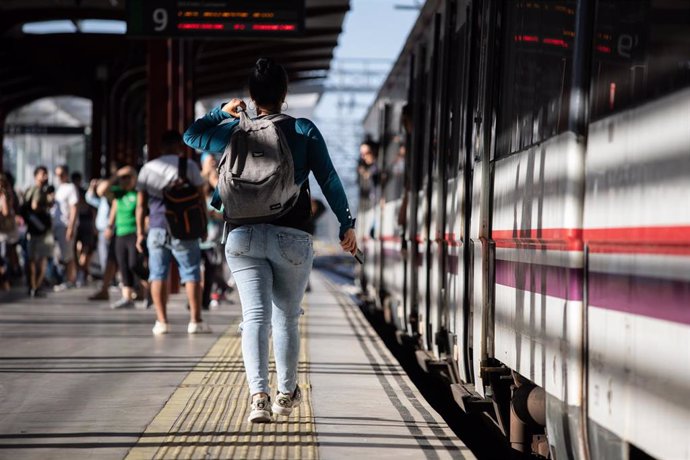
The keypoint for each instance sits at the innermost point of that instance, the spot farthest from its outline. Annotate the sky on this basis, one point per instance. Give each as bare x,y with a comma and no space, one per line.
373,29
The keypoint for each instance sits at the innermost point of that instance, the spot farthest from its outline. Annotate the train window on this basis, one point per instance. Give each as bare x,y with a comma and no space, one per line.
458,97
394,172
537,48
394,155
419,122
641,52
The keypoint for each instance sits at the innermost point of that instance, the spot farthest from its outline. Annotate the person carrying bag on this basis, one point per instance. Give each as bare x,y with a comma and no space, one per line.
170,220
268,248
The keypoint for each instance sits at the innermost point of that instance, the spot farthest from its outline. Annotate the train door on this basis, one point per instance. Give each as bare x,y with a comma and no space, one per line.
393,267
537,190
457,173
439,314
430,187
407,125
479,242
381,231
416,173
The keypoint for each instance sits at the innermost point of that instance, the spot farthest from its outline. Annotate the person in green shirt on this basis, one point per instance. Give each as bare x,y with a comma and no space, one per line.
123,227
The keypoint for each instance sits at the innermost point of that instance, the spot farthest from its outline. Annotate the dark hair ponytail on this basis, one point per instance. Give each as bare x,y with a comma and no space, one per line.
268,83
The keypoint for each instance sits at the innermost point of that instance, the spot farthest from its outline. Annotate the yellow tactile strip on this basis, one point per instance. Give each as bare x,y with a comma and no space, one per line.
206,417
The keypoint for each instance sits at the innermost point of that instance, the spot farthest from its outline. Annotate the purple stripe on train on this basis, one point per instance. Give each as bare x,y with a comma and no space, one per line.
638,295
565,283
653,297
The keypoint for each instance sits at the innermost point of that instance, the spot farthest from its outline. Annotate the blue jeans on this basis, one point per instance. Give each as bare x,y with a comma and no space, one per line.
271,267
186,252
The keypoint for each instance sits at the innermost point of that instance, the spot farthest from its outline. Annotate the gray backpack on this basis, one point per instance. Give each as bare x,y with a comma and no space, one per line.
256,180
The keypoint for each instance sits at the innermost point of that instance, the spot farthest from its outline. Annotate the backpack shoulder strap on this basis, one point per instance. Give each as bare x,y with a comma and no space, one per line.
182,168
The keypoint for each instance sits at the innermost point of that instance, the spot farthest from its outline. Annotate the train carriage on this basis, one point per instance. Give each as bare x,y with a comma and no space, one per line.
539,247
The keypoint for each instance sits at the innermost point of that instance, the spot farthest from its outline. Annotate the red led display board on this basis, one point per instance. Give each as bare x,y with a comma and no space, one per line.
215,18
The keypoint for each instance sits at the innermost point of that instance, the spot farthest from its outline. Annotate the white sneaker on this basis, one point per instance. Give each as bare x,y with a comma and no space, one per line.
261,410
122,303
160,328
198,328
285,402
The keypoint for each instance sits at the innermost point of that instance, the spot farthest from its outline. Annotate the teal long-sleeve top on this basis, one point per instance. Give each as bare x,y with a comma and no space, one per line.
308,148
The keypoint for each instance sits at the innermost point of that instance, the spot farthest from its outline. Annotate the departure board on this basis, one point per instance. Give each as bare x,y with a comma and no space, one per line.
215,18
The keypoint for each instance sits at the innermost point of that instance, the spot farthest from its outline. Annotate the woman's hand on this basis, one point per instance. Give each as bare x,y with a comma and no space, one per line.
231,107
141,243
349,241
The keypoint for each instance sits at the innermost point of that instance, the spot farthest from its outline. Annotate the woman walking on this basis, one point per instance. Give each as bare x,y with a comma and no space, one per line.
122,226
271,262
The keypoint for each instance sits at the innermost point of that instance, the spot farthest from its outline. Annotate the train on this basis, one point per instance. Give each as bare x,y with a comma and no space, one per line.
526,221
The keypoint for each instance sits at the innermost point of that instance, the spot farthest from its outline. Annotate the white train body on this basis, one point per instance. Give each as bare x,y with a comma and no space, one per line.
544,238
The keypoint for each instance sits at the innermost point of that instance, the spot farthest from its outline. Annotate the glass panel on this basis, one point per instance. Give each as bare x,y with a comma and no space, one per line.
641,52
537,48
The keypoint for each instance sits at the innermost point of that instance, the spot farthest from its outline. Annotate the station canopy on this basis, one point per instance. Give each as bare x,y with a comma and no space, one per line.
71,47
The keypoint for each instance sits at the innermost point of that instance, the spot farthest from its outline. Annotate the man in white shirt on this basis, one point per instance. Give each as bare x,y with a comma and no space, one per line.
65,222
154,177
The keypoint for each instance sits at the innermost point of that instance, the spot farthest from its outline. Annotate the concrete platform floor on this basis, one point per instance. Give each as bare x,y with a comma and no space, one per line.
79,380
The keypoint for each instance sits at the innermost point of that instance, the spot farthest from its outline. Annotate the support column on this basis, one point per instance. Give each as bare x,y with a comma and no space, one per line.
98,134
188,97
186,91
157,103
2,138
170,98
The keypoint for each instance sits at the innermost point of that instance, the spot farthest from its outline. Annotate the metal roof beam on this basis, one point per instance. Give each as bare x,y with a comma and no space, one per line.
231,51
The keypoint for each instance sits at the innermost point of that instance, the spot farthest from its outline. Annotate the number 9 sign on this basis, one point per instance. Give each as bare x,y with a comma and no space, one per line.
160,19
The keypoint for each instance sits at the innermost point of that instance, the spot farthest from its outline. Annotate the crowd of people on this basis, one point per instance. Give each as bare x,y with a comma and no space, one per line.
138,221
50,233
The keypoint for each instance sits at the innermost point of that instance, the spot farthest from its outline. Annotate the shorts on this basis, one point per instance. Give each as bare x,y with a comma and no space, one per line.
40,246
88,240
186,252
65,246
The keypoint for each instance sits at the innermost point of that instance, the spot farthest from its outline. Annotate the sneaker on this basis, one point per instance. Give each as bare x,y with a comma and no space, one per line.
261,410
100,295
285,402
122,303
198,328
160,328
63,286
33,293
214,304
145,304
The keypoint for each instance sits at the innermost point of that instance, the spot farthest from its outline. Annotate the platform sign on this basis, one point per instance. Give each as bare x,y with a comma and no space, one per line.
215,18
